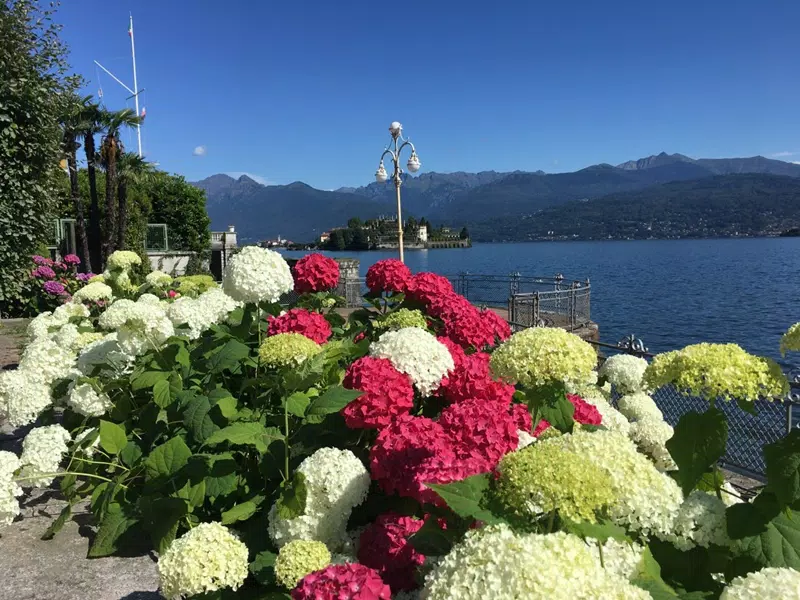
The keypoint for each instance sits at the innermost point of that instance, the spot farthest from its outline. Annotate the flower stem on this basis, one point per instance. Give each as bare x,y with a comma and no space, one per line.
63,473
600,550
110,464
551,521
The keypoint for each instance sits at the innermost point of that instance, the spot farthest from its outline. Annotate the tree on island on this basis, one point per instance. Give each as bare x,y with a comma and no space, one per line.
464,235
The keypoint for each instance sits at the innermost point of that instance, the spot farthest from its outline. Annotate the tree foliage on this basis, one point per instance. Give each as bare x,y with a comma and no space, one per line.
33,82
183,208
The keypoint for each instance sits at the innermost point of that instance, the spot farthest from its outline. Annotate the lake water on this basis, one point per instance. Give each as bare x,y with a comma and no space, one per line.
669,293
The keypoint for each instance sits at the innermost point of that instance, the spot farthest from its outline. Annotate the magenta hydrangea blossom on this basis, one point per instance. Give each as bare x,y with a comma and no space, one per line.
44,272
53,287
72,259
41,260
84,276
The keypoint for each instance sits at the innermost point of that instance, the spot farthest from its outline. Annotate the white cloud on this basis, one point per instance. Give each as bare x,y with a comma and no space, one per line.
784,153
257,178
199,151
796,162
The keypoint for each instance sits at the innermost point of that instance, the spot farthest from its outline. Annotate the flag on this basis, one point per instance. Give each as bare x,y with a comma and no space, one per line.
130,30
144,112
100,93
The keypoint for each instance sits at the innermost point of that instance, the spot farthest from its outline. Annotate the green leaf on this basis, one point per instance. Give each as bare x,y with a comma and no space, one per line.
601,530
228,357
182,357
334,399
240,512
465,497
115,533
227,407
292,501
777,546
697,444
297,403
198,421
167,459
222,478
648,577
162,516
432,540
193,493
148,379
131,454
550,402
263,567
783,468
161,394
59,523
112,437
246,434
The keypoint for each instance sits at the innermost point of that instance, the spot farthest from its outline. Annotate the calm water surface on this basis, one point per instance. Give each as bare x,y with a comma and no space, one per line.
669,293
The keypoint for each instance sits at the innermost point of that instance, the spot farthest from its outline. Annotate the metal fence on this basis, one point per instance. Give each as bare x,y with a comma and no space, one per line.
747,433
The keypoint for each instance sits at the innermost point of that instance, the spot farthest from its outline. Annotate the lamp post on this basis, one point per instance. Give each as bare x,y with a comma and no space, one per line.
413,165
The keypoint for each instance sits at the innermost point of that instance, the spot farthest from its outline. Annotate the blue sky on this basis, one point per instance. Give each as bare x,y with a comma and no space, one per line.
305,91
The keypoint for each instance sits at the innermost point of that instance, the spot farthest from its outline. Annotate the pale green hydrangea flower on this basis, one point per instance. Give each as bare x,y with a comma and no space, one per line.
402,318
790,341
287,349
205,559
546,476
638,406
543,355
700,521
500,564
158,279
299,558
93,291
717,371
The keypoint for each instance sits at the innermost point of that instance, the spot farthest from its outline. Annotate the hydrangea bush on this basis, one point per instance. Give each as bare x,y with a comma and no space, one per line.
414,449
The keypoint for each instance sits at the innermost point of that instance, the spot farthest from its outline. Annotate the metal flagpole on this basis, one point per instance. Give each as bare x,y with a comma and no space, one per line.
136,89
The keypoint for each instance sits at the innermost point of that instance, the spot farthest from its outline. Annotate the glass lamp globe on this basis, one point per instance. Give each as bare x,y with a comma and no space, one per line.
381,175
395,128
413,163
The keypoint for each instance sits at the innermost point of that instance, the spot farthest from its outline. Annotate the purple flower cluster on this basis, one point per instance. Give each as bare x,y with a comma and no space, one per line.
41,260
44,272
55,288
84,276
72,259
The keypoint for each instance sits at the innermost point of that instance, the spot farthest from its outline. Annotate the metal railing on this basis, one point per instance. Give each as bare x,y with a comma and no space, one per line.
747,433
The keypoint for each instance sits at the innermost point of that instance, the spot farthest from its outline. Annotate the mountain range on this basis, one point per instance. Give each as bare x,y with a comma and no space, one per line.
497,206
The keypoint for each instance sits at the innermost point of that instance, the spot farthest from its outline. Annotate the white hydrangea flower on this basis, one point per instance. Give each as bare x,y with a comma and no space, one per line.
140,325
646,500
39,327
158,279
729,494
205,559
86,401
22,398
619,557
625,372
612,418
123,260
336,481
67,337
650,435
149,299
70,310
42,450
93,292
9,490
498,563
200,313
700,522
46,361
416,353
257,275
106,353
638,406
771,582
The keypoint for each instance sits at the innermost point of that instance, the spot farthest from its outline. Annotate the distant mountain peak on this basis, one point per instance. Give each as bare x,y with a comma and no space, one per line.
656,160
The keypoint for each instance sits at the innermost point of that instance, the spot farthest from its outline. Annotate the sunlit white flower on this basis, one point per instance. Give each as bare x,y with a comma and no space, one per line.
625,372
42,451
772,582
86,400
416,353
257,275
9,490
638,406
22,398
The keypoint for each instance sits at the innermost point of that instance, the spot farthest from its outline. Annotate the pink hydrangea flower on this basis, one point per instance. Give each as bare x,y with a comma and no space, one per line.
72,259
315,273
298,320
55,288
41,260
350,581
388,275
388,393
44,272
384,546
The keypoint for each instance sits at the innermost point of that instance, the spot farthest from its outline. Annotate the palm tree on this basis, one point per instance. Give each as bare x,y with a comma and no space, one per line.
131,169
109,152
93,124
71,125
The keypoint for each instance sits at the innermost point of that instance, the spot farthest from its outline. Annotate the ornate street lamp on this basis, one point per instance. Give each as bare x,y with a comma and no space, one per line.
413,165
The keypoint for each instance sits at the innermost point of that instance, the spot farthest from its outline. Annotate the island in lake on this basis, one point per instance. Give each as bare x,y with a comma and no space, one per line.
381,234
